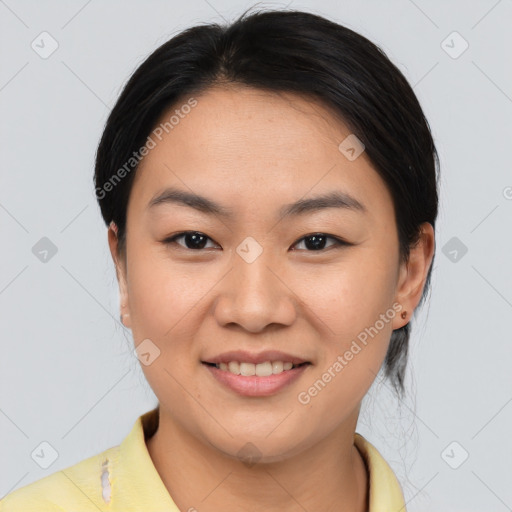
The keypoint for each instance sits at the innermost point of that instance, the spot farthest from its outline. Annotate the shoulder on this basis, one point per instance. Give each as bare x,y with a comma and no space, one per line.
75,487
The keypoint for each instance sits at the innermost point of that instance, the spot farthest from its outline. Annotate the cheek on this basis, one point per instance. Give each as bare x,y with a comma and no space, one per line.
351,295
164,300
162,293
348,366
355,306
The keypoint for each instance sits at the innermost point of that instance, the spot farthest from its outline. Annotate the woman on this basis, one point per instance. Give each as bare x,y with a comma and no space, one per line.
270,192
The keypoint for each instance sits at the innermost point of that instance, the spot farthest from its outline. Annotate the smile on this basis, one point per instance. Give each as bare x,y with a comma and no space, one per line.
262,379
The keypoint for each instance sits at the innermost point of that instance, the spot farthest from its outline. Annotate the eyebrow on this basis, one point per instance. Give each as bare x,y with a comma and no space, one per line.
334,199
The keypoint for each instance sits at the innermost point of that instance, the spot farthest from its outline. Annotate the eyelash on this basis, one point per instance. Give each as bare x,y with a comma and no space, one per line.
338,241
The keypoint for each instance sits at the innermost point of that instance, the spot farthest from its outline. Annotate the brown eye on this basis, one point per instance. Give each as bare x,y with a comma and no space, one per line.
193,240
317,241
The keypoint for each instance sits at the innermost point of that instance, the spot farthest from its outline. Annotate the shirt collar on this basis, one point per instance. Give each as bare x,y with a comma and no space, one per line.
136,474
385,491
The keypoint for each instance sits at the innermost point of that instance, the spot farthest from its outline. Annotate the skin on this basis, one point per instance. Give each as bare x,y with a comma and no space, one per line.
254,151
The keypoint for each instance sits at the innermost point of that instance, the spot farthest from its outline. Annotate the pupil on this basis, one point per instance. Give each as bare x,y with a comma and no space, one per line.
317,242
197,243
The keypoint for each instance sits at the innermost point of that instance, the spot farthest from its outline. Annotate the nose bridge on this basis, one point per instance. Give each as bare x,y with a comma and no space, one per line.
255,296
253,275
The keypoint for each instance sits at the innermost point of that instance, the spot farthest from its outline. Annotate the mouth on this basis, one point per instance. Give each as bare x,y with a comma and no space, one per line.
255,375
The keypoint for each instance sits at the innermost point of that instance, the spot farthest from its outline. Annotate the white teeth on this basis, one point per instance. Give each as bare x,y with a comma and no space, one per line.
264,369
261,369
277,366
233,367
247,369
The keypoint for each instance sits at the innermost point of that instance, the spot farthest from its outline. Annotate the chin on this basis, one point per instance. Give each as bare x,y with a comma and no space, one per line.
252,450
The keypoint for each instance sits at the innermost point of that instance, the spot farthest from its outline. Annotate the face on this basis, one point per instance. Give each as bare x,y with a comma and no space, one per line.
319,283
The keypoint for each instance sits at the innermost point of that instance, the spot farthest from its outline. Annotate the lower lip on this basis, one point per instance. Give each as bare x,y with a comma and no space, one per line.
256,386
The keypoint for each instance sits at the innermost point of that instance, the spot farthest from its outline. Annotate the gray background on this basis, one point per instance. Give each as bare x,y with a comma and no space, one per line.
68,375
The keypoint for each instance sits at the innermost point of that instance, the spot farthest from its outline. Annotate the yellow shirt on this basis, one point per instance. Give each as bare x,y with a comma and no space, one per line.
124,479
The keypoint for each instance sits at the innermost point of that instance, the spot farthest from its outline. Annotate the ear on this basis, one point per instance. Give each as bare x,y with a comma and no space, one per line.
120,273
413,274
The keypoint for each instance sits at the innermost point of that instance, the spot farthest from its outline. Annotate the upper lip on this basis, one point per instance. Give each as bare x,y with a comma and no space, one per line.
254,357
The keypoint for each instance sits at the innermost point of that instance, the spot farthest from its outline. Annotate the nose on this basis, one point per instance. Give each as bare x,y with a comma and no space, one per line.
254,295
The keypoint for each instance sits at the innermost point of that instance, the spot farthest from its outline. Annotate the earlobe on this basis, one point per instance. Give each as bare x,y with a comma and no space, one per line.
125,310
124,317
413,275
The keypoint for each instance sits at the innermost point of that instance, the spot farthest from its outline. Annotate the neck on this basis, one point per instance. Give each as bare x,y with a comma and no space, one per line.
329,476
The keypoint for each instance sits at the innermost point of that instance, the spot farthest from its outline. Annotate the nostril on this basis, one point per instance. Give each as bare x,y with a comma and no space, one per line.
105,481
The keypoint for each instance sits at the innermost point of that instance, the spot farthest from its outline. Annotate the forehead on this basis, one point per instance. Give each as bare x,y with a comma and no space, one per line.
254,145
236,116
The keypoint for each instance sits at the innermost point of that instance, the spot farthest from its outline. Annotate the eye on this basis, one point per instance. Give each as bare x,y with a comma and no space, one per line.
195,240
316,241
